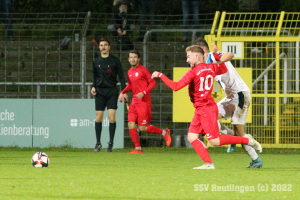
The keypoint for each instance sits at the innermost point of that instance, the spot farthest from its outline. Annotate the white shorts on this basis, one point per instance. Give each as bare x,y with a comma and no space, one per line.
235,107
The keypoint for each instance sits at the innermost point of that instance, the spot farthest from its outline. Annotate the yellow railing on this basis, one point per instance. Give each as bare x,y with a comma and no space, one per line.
265,38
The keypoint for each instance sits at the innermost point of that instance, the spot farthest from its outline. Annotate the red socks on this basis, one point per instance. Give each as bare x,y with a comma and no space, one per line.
134,137
229,139
201,150
153,129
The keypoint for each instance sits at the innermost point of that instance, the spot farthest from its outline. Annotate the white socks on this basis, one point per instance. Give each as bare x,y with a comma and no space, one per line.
250,151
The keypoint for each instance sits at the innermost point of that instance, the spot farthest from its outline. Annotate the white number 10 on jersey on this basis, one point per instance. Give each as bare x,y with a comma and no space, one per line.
208,79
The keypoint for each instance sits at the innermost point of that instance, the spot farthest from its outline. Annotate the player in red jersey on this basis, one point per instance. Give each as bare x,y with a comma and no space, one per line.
200,80
141,83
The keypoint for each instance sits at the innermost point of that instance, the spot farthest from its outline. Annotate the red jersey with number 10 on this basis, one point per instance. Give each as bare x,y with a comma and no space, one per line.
200,80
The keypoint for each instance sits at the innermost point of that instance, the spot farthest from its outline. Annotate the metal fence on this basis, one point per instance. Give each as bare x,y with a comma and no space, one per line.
271,48
35,55
34,65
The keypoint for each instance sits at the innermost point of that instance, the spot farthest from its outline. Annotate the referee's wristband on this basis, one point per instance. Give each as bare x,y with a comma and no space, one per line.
159,75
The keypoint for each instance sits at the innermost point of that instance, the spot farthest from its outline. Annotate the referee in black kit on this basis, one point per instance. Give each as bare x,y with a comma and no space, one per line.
105,70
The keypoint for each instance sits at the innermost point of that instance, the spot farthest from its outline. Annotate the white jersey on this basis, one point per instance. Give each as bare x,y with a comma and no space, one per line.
231,82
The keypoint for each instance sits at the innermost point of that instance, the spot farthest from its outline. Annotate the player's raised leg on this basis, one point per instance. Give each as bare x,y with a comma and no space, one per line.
229,139
144,118
153,129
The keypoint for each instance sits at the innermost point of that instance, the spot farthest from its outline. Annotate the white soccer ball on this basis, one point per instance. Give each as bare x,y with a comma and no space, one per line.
40,159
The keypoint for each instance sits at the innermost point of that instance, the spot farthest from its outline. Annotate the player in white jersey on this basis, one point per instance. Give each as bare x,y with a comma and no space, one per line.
236,102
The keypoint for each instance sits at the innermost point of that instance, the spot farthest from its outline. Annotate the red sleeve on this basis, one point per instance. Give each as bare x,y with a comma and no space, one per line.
221,69
128,87
188,76
217,56
171,84
151,82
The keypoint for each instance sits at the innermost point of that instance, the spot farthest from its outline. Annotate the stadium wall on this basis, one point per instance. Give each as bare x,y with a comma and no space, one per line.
55,123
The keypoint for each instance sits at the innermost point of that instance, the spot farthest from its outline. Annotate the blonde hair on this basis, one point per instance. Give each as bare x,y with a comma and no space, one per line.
195,49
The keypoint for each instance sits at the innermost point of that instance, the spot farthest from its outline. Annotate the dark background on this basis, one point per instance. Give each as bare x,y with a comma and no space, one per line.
173,6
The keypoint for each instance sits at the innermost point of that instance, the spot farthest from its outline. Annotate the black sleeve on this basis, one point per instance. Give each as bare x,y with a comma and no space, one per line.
121,75
94,75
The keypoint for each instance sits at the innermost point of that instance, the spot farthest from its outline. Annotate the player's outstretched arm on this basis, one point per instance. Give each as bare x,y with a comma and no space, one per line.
227,56
171,84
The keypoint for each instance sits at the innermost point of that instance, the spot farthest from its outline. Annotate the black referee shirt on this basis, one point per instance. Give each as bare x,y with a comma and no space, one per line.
105,71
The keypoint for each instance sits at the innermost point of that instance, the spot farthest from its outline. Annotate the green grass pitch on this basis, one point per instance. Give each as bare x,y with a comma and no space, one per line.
159,173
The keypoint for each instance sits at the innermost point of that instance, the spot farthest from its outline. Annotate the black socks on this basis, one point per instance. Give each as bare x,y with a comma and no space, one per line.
98,128
112,130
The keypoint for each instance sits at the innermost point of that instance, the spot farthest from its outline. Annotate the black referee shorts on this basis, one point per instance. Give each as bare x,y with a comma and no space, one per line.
106,97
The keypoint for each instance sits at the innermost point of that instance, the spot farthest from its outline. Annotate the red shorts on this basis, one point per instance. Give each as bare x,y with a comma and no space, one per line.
140,112
205,121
